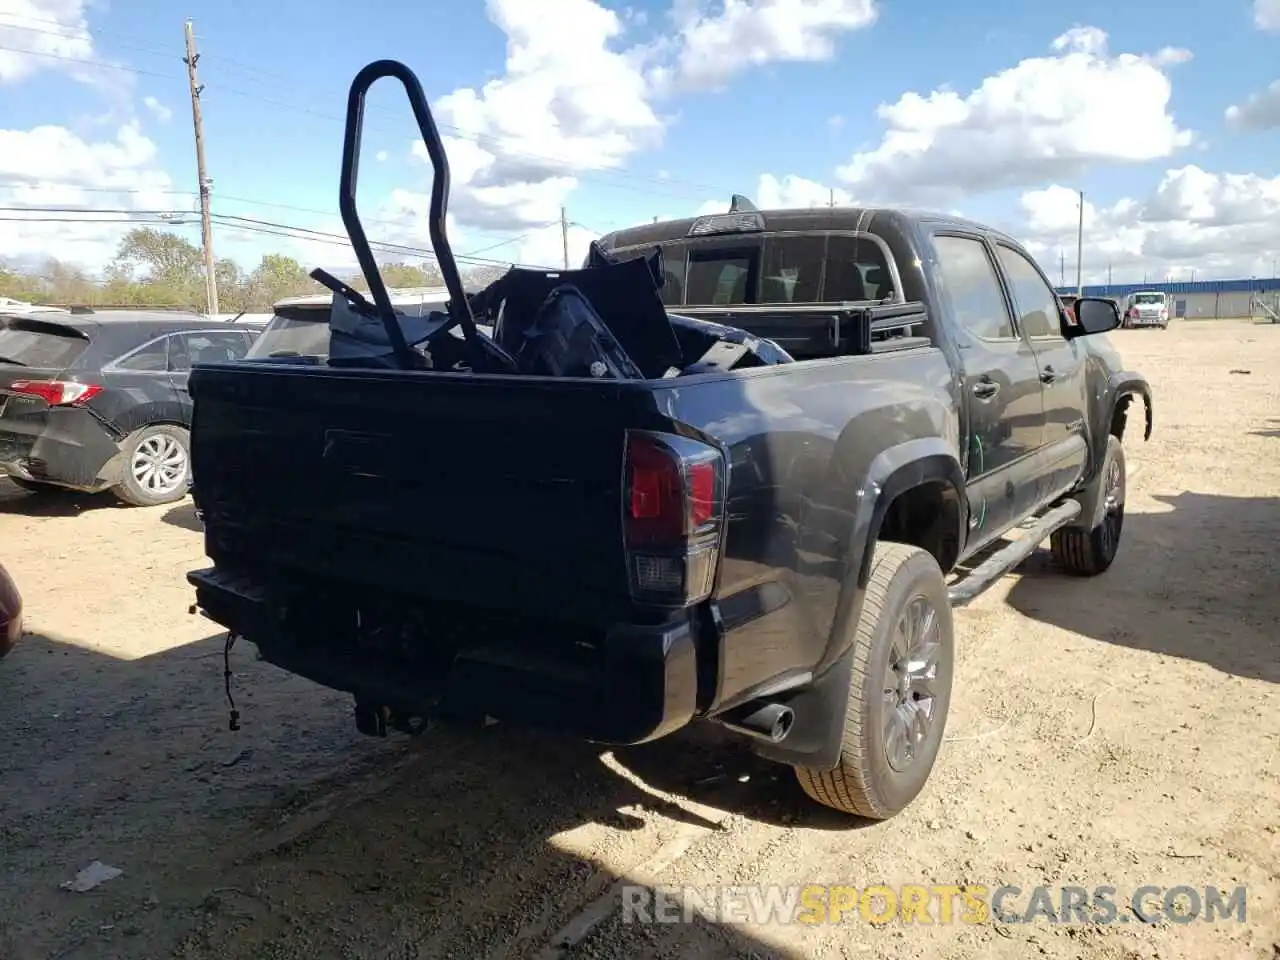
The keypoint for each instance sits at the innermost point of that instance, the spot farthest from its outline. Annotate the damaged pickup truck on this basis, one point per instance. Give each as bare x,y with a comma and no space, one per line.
720,473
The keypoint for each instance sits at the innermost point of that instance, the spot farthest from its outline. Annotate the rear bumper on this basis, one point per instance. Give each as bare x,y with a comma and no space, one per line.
68,447
635,683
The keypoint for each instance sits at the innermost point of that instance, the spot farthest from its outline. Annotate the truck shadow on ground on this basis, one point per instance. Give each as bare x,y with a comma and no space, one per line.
1195,580
297,836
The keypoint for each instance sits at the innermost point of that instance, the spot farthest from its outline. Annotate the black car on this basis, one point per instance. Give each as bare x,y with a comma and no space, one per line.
96,401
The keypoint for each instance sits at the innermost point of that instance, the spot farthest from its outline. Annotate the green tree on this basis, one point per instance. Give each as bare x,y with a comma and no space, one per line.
170,261
278,276
233,287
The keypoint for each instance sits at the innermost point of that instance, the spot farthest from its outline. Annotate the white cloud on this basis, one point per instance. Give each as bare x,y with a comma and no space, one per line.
52,36
568,102
1266,15
1044,118
158,109
1261,111
42,35
713,48
1217,224
575,99
50,166
381,156
545,247
789,192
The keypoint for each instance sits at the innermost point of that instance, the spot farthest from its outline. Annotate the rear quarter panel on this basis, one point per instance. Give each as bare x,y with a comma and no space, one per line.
812,448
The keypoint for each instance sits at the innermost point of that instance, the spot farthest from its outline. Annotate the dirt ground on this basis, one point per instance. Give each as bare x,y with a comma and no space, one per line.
1120,731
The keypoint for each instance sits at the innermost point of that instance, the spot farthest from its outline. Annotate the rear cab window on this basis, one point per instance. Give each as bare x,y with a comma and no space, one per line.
773,268
40,344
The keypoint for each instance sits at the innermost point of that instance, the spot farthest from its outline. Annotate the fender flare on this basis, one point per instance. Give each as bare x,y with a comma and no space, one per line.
892,473
820,708
1128,383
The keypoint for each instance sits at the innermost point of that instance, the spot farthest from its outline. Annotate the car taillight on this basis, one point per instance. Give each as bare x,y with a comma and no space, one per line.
673,517
56,393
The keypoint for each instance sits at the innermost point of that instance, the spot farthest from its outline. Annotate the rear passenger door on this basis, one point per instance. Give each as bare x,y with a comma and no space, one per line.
1001,404
141,388
201,346
1063,444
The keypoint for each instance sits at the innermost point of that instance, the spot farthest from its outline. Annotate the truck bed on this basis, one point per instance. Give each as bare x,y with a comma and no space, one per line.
476,524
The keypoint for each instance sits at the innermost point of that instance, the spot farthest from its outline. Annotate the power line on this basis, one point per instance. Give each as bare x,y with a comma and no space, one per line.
91,63
247,224
84,35
598,176
130,215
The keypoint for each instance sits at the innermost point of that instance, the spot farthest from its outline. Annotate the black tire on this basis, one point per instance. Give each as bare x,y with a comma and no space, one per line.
154,441
1087,553
865,782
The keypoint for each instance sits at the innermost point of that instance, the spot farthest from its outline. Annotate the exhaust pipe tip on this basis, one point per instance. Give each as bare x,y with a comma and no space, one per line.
760,720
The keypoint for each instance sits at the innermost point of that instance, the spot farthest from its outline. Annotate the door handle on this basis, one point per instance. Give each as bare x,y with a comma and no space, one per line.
1048,375
985,389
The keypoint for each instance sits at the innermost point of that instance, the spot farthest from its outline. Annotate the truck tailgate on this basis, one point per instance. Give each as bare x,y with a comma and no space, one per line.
492,491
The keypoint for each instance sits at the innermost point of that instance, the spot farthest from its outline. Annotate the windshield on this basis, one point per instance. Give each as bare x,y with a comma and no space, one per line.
43,346
1148,298
772,268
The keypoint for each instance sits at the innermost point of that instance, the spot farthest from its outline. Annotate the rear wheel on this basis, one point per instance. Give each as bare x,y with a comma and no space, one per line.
157,463
904,654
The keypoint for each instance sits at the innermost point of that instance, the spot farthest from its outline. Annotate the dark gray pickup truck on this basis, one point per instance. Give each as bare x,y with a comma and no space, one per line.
761,544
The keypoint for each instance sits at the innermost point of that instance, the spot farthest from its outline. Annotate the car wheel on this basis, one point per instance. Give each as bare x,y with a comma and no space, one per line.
1087,553
903,659
156,464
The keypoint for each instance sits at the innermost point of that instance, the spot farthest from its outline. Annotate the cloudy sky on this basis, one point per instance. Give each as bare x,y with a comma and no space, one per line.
1166,114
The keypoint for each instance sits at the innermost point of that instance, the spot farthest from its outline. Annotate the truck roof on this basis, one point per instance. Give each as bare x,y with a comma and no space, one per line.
803,219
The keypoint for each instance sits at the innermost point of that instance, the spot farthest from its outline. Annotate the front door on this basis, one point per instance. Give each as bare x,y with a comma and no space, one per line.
1002,395
1064,448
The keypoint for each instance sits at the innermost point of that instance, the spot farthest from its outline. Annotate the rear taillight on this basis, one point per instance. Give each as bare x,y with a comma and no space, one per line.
56,393
673,517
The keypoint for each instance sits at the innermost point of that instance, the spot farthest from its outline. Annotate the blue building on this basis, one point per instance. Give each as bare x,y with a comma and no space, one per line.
1202,299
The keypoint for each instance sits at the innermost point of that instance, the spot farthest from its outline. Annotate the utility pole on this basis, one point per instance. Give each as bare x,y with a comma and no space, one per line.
831,194
1080,250
206,227
1062,268
564,236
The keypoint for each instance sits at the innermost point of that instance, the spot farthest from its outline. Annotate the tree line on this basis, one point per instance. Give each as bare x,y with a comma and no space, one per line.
154,268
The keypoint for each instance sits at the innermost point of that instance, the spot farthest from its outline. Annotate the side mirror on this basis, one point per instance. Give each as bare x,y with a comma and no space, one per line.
1093,315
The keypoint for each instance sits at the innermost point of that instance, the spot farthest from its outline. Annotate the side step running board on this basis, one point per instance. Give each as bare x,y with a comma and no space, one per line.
1004,560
